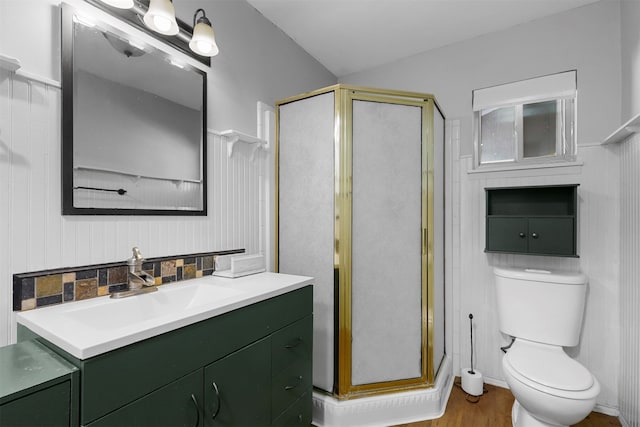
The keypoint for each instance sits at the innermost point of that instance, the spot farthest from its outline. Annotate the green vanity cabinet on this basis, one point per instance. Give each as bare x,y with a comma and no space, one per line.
167,380
37,387
539,220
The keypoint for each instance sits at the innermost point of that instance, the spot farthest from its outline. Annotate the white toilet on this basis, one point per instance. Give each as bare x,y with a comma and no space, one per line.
543,311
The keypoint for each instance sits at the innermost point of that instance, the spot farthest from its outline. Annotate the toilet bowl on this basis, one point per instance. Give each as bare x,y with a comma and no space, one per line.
551,389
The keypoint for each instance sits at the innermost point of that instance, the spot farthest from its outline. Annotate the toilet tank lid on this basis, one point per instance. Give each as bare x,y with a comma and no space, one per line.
537,275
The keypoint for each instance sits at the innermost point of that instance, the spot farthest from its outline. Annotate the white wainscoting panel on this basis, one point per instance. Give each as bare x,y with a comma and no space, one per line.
629,152
35,236
598,247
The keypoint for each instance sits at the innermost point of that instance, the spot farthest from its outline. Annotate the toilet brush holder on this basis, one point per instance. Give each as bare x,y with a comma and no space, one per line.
472,382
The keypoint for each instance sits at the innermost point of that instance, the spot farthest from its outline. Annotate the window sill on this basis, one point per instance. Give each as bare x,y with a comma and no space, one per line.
490,169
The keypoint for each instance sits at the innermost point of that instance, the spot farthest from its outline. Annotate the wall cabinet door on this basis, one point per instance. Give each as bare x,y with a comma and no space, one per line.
237,388
551,236
178,404
507,234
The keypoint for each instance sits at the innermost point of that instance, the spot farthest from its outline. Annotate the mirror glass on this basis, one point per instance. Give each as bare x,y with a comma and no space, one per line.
134,125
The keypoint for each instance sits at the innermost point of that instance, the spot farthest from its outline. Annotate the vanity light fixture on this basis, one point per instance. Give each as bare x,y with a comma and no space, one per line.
161,17
203,41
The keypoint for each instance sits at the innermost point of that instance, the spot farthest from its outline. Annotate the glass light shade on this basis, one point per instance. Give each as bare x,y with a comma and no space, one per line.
203,41
161,17
120,4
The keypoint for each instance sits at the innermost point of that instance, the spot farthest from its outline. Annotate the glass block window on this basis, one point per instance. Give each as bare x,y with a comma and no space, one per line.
532,121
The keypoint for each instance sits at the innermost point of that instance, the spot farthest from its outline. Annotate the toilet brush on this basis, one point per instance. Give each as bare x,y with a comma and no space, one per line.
472,381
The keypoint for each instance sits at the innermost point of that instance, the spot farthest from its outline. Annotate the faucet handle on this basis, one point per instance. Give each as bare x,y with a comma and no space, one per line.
136,253
135,262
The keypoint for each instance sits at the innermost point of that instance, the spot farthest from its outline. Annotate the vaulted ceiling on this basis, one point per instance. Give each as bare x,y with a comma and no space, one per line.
349,36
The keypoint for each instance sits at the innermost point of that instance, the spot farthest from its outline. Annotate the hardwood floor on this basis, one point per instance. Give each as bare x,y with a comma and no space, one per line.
493,409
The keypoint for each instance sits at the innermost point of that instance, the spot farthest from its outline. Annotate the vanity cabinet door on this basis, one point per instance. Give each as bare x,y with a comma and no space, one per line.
237,388
178,404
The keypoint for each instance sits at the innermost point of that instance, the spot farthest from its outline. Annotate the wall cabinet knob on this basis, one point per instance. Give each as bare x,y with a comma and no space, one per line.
534,235
522,235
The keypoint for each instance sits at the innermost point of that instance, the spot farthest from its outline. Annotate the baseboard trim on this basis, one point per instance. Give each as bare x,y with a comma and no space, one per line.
607,410
387,409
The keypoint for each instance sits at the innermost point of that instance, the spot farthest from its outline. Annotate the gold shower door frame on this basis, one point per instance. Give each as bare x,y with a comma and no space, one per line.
343,143
343,237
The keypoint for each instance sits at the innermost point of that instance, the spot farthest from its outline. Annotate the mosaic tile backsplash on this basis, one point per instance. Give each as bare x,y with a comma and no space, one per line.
43,288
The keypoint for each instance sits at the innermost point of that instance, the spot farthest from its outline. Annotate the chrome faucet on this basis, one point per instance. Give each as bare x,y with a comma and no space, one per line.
138,281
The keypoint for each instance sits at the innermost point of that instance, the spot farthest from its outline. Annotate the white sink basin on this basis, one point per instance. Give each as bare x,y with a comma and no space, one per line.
91,327
122,313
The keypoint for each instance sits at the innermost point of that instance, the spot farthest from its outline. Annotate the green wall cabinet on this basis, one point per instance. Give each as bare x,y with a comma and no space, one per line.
258,357
539,220
37,387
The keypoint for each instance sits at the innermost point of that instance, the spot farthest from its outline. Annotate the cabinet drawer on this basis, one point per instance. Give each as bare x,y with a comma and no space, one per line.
290,384
298,414
295,342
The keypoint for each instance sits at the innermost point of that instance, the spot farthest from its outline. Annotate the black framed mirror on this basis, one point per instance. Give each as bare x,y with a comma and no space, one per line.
133,124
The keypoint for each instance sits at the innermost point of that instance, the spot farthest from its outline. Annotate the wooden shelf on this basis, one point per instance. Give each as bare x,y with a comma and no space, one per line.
624,131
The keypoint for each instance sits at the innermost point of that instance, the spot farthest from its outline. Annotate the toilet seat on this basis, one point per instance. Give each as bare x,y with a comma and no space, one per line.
549,369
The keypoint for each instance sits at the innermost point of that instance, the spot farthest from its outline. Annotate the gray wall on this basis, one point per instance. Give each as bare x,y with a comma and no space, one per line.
630,17
257,61
586,39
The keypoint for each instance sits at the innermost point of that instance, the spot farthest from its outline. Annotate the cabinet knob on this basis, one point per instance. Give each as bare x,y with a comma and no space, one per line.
522,235
534,235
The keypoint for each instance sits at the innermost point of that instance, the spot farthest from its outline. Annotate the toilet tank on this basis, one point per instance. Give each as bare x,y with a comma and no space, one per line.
539,305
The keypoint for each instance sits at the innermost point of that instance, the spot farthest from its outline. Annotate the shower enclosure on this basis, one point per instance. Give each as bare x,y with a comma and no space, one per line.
360,207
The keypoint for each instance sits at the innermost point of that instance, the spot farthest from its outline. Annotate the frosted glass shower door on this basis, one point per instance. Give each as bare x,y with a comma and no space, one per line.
387,286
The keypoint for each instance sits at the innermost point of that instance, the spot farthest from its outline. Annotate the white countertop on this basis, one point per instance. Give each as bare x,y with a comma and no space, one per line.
91,327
